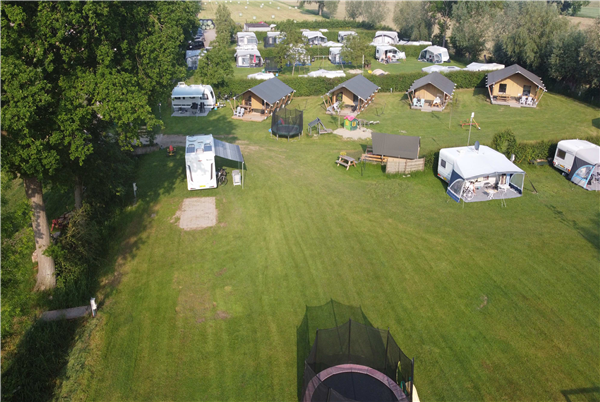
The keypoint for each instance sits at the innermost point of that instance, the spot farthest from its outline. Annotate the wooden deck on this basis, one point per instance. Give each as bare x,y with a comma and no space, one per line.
252,117
428,108
511,103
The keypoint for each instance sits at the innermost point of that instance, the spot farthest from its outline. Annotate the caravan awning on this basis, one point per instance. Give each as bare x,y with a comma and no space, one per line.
228,151
486,162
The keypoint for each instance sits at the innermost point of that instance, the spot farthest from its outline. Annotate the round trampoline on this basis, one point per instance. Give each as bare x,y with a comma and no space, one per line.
353,382
286,123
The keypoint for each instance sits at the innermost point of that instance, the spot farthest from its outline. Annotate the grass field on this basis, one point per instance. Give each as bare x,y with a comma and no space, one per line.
494,303
590,11
282,10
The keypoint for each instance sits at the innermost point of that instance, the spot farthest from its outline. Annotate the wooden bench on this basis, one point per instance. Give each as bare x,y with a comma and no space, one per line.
346,161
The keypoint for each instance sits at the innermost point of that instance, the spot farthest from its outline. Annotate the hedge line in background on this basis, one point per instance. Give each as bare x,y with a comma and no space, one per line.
318,86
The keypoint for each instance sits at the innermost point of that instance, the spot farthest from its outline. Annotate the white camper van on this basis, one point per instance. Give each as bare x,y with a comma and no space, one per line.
200,162
186,98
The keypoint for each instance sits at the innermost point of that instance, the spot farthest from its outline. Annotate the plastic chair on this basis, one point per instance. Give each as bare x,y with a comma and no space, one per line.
530,101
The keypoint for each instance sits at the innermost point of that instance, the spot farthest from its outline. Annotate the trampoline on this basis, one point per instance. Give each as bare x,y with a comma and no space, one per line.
353,382
357,362
287,123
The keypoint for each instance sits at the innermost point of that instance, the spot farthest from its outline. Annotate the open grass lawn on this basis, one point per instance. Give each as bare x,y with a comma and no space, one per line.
592,10
494,303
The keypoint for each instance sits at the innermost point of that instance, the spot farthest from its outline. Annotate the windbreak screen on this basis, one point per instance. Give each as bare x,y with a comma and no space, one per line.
455,185
517,181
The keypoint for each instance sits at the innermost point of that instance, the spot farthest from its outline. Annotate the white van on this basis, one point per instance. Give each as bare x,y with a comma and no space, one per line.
389,53
200,162
566,151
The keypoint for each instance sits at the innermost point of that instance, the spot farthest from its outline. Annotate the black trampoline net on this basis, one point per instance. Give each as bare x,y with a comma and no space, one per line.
287,122
353,343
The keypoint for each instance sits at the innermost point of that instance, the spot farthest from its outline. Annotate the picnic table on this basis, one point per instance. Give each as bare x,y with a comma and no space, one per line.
346,161
503,97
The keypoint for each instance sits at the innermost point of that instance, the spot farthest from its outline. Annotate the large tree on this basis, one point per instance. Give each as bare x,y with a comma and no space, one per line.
569,7
471,30
225,26
526,33
355,48
68,67
375,12
215,67
412,20
291,49
565,64
330,5
441,12
590,56
354,9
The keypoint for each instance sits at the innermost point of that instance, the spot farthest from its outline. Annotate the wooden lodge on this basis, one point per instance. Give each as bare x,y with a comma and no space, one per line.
515,86
259,102
431,93
350,97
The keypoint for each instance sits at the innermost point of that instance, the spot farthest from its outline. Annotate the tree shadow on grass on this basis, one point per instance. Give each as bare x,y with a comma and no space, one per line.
596,122
328,315
40,358
41,355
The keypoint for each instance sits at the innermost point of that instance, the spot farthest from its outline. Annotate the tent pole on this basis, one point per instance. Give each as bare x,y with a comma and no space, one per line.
243,175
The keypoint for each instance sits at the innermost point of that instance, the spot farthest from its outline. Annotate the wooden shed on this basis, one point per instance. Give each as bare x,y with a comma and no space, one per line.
350,97
515,86
261,101
431,93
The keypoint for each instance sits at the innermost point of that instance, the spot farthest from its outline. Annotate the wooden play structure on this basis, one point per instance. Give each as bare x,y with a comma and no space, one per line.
350,97
319,126
259,102
431,93
469,123
514,86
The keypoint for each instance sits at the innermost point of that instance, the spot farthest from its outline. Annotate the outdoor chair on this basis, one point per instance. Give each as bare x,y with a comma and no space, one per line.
415,102
530,101
522,99
422,103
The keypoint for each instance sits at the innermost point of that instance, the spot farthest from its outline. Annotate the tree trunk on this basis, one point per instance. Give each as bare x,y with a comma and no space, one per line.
320,8
41,231
78,193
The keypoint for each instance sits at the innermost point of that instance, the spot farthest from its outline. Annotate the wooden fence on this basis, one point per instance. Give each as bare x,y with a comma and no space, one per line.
398,165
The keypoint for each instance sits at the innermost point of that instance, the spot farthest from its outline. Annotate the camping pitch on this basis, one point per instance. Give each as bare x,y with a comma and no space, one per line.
581,161
479,173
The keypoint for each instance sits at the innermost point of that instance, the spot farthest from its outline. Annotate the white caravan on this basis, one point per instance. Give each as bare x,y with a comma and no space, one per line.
385,38
342,35
580,160
247,38
200,162
389,53
192,97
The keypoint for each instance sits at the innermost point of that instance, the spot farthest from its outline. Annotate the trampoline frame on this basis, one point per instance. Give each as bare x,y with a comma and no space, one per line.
352,368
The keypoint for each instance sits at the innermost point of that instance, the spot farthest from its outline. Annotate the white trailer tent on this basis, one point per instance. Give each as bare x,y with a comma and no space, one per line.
335,55
389,53
484,67
385,38
192,100
439,69
434,54
479,174
246,38
581,161
342,35
248,58
200,160
314,37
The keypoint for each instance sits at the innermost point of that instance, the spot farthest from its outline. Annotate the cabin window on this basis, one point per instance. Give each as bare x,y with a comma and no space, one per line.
560,154
339,96
443,163
502,89
526,90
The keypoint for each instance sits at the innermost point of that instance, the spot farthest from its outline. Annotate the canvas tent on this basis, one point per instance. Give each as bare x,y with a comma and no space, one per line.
272,39
581,161
434,54
385,38
314,37
396,146
479,174
516,86
433,90
355,94
248,58
265,98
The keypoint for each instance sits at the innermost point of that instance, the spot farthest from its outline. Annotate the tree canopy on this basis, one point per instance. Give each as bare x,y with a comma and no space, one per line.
412,20
471,30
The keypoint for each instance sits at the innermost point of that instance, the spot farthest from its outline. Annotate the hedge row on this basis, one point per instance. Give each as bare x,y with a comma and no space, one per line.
318,86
